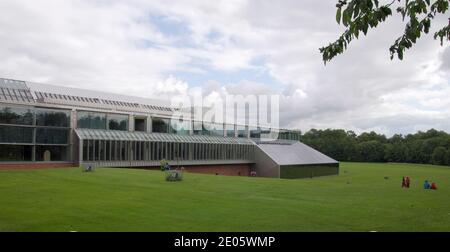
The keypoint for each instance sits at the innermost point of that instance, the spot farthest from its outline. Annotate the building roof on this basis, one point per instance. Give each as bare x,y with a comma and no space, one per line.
37,93
95,134
293,153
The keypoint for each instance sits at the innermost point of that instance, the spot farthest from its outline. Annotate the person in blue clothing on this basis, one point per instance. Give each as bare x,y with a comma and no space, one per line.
167,166
426,185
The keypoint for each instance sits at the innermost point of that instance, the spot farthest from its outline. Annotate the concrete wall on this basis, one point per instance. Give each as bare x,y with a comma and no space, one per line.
230,170
308,171
264,165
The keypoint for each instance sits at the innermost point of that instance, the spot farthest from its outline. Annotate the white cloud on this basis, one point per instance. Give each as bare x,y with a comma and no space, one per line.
113,45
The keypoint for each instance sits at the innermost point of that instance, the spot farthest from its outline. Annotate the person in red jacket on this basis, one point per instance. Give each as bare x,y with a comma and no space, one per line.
403,182
407,182
433,186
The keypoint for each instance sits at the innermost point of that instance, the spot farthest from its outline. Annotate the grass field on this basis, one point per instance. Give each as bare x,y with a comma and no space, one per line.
359,199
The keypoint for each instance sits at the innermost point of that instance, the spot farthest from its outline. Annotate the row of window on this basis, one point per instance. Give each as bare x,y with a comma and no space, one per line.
95,120
11,153
109,121
17,134
108,150
34,116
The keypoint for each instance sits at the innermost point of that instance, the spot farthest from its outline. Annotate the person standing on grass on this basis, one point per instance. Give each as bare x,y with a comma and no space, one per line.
407,182
403,182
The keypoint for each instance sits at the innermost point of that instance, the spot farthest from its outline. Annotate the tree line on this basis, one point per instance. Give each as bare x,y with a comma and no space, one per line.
430,147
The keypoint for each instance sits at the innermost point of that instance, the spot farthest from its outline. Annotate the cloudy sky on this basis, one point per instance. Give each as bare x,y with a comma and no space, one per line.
161,48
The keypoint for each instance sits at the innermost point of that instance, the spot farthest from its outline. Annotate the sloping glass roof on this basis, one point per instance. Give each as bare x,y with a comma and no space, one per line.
16,91
294,154
95,134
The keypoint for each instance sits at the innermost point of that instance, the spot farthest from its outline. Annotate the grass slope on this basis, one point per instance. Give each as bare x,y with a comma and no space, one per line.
359,199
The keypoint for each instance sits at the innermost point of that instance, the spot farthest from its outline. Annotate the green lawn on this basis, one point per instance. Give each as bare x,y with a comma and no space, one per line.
111,199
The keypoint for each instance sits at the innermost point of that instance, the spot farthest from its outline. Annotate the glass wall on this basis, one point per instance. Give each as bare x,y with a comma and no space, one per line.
213,129
91,120
51,153
97,120
229,128
160,125
140,124
16,134
111,150
15,152
242,131
52,136
44,130
180,127
117,122
16,115
198,128
52,117
255,132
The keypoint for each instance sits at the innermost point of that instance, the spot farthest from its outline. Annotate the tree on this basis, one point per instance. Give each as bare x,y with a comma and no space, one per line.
447,158
439,156
371,151
360,15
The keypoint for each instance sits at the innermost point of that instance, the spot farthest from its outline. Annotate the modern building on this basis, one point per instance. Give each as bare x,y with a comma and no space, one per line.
54,126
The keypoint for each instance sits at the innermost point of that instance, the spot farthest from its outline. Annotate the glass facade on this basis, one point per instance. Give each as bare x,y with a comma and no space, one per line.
229,129
140,124
215,129
160,125
11,153
52,136
255,132
180,127
117,122
16,115
51,153
91,120
52,117
113,150
44,130
242,131
16,134
198,128
97,120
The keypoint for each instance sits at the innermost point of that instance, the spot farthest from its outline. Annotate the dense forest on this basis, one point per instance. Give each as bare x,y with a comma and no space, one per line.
430,147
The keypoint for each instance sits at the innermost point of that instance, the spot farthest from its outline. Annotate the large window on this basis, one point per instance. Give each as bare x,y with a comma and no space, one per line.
91,120
51,153
117,122
52,117
180,127
52,136
214,129
140,124
198,128
229,128
255,132
14,134
242,131
15,152
16,115
42,126
160,125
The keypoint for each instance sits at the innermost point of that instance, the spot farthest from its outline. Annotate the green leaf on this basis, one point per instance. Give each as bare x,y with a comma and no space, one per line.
338,15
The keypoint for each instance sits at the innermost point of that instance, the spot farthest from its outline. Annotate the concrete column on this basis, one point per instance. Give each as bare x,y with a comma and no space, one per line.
149,124
131,122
